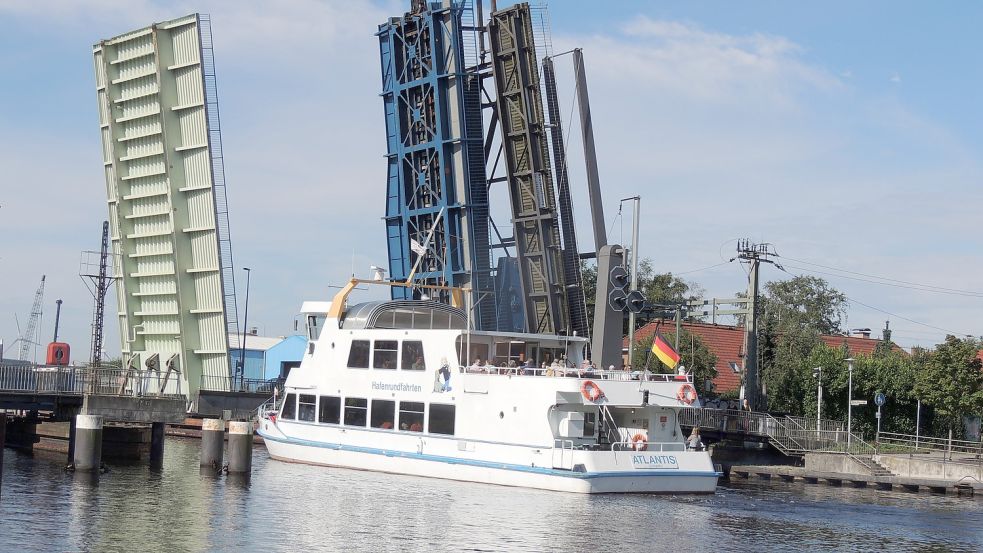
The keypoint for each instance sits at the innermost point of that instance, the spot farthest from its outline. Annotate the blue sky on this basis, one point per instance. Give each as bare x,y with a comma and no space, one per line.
848,134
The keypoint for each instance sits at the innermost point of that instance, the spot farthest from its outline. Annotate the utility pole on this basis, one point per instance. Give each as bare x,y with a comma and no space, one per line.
754,254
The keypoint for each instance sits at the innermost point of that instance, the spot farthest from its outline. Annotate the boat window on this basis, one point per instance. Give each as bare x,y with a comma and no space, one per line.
355,408
358,358
330,410
383,413
385,354
441,419
467,353
413,356
411,416
307,407
314,323
289,410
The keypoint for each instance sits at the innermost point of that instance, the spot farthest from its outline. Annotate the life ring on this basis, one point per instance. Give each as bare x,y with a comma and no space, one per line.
686,394
638,442
591,391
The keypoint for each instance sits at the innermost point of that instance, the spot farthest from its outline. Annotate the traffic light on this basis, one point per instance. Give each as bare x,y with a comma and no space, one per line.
635,301
817,372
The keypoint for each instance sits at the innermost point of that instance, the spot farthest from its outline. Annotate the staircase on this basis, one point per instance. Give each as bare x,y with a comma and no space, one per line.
872,466
609,429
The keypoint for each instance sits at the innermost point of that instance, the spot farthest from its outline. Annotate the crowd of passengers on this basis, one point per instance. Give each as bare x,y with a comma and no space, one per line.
523,366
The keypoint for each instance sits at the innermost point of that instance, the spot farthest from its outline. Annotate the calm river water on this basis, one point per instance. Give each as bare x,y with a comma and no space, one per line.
298,508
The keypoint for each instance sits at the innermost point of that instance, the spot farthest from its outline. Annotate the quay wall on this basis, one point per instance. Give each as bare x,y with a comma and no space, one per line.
920,467
833,462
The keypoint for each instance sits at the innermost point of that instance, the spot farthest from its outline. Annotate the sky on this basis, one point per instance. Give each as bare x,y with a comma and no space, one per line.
846,134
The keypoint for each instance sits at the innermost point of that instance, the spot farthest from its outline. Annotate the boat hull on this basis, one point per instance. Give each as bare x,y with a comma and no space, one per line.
625,478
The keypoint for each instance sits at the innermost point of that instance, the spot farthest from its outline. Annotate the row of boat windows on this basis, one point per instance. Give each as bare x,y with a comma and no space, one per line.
377,413
385,355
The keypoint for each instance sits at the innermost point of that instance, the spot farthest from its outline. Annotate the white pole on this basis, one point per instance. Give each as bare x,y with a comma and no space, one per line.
849,406
819,401
918,423
634,274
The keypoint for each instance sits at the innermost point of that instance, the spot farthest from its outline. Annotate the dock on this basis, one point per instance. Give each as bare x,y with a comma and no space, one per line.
887,483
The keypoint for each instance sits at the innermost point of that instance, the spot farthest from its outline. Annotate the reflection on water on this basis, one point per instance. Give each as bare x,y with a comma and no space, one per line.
301,508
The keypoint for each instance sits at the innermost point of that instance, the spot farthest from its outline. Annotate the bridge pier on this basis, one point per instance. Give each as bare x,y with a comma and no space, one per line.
157,444
71,440
212,442
88,442
3,438
240,447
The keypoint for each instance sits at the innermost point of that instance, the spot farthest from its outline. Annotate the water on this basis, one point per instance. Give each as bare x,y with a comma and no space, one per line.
298,508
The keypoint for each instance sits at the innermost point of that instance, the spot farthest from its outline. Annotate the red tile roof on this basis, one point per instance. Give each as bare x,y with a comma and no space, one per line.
727,343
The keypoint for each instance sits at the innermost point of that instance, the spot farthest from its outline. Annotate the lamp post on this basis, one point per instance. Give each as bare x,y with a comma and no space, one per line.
817,373
245,327
849,406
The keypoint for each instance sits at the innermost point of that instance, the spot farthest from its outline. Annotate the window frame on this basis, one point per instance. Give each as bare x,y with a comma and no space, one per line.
422,416
368,354
407,364
289,401
376,351
320,409
453,419
378,417
351,406
312,407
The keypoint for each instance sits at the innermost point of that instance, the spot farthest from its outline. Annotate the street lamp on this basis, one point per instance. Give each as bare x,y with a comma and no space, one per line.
245,321
817,373
849,406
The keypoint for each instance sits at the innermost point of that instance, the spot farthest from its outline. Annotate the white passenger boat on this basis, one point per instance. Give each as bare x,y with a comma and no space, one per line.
386,386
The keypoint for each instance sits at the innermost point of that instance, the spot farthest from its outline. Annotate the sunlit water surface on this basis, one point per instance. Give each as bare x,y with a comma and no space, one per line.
290,507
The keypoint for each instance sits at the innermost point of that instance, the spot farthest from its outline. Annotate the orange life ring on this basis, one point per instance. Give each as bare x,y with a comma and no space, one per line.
686,394
638,442
591,391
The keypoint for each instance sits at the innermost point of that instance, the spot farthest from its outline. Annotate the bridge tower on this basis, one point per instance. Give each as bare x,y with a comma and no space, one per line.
437,219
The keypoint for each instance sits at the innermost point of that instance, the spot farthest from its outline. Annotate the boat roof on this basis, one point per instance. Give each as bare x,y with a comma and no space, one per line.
415,314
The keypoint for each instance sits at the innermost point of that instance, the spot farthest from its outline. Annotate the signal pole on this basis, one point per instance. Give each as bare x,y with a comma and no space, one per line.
634,273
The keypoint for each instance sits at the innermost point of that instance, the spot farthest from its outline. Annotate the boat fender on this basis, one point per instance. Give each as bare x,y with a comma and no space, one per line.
591,391
686,394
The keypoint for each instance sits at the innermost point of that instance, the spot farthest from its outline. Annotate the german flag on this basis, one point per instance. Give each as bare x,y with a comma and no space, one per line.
664,351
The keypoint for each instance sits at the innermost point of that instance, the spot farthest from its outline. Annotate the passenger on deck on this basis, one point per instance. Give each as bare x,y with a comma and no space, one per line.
476,366
693,442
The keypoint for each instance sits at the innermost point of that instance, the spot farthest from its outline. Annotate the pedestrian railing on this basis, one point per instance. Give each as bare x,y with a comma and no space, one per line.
903,443
790,435
78,381
225,383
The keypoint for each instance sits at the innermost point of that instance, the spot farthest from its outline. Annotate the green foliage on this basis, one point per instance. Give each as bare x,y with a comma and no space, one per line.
951,381
664,288
803,302
693,354
588,276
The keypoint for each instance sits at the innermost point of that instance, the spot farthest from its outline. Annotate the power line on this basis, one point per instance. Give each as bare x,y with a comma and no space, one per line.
947,331
920,285
886,312
701,269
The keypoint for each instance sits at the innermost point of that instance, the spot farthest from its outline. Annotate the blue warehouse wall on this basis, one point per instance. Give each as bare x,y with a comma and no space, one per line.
290,351
254,361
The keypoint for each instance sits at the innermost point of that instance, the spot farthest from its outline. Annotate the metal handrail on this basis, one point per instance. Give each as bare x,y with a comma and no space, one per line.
931,443
629,445
569,372
78,381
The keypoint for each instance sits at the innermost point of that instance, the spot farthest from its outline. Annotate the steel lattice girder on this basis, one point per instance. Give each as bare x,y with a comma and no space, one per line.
530,182
436,180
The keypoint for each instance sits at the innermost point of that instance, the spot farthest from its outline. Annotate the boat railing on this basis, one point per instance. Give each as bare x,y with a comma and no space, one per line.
571,372
629,445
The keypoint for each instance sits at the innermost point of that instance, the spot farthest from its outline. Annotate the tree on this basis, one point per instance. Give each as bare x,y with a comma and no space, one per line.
951,380
803,301
588,278
793,315
664,288
693,354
